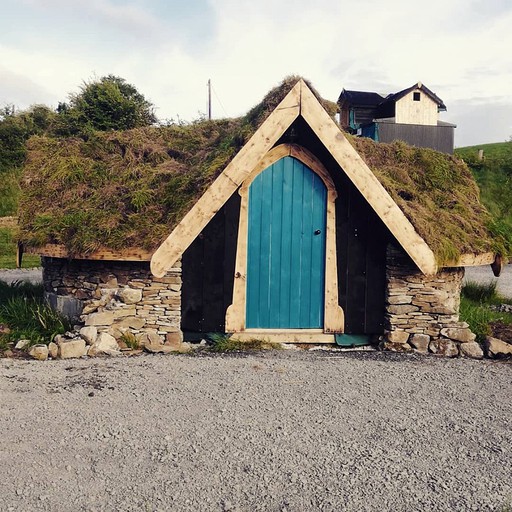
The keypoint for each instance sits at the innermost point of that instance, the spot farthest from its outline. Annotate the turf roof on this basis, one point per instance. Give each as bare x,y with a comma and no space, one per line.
129,189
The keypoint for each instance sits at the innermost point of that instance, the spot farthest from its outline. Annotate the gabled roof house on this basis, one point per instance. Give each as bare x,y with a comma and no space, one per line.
410,115
276,225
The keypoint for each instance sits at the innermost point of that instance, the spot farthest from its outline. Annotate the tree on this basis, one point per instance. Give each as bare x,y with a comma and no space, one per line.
109,103
16,128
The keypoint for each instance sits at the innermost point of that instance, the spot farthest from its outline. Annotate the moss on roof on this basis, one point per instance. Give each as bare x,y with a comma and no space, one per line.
129,189
438,194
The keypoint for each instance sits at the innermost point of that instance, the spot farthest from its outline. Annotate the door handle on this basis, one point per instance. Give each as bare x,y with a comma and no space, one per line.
318,231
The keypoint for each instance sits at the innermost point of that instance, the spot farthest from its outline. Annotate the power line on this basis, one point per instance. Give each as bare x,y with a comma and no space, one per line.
220,102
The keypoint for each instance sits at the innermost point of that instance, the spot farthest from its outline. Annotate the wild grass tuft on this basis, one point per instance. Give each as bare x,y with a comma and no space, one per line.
223,343
475,303
24,311
481,293
130,340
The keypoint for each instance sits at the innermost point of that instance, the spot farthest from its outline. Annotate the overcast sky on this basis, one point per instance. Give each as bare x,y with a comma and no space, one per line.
461,49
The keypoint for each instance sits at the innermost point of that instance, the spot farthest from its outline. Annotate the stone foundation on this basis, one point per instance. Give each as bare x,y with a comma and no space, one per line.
422,312
115,296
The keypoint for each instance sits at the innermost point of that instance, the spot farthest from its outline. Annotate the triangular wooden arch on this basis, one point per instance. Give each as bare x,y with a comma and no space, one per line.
300,101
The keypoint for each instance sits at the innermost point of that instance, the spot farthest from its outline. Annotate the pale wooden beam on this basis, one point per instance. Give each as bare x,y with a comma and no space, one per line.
59,251
223,187
365,181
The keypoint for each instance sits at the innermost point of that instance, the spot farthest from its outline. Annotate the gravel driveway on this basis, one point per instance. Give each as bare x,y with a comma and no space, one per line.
285,430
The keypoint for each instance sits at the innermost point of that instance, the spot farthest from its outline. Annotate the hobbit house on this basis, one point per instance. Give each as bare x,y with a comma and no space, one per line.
275,226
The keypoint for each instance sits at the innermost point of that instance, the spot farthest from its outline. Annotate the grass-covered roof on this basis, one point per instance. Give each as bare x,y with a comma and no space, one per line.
438,194
129,189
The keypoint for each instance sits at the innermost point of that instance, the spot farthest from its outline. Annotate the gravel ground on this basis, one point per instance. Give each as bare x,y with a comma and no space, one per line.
286,430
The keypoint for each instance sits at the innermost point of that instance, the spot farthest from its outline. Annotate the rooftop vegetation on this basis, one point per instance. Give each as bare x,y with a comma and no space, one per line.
124,189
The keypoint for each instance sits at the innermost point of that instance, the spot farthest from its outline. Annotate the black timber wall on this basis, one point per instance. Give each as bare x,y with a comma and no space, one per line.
208,269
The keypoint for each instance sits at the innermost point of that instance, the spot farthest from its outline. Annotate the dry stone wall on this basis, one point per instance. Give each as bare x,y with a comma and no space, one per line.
422,312
116,297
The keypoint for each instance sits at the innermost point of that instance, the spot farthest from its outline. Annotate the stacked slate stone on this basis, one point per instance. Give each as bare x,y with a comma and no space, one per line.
110,299
422,312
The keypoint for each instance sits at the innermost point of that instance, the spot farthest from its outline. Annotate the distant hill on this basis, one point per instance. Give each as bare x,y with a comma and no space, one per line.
495,151
494,177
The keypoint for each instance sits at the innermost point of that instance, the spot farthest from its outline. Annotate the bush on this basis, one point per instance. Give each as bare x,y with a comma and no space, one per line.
27,315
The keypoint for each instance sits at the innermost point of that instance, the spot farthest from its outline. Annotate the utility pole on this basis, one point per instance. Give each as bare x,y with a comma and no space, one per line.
209,99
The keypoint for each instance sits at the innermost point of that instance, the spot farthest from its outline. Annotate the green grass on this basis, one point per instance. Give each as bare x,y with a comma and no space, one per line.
223,343
501,150
8,251
9,192
24,311
474,308
494,177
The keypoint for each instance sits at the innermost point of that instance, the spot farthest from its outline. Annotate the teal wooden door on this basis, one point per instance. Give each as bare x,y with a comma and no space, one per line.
286,248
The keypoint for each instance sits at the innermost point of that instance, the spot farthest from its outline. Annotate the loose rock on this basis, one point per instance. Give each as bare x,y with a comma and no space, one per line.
444,347
89,333
104,344
497,348
69,349
39,352
21,344
53,350
472,349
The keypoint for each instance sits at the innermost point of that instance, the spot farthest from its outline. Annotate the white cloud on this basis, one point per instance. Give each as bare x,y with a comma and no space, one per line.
452,47
129,18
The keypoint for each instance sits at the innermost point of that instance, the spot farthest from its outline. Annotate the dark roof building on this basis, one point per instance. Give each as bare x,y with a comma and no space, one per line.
410,115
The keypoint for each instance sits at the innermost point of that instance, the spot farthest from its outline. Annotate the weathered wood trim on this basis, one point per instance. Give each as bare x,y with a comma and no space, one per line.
472,260
59,251
333,314
366,182
227,183
285,336
235,314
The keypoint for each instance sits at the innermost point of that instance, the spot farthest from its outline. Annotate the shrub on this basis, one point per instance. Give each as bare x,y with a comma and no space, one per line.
27,315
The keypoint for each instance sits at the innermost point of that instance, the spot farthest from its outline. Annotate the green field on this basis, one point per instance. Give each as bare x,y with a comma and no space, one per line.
8,251
494,177
495,151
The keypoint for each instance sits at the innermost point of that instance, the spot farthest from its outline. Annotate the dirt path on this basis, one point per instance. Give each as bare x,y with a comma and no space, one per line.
289,430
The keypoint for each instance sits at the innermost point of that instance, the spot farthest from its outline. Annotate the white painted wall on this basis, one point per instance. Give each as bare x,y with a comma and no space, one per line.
422,112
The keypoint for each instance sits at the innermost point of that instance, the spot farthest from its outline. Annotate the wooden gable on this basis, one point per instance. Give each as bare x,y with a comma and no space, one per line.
299,102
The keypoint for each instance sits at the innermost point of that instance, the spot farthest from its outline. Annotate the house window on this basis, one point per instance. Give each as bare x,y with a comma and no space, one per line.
416,96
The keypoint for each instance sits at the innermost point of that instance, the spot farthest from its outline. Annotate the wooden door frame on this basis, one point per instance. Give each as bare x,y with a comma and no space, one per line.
333,314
